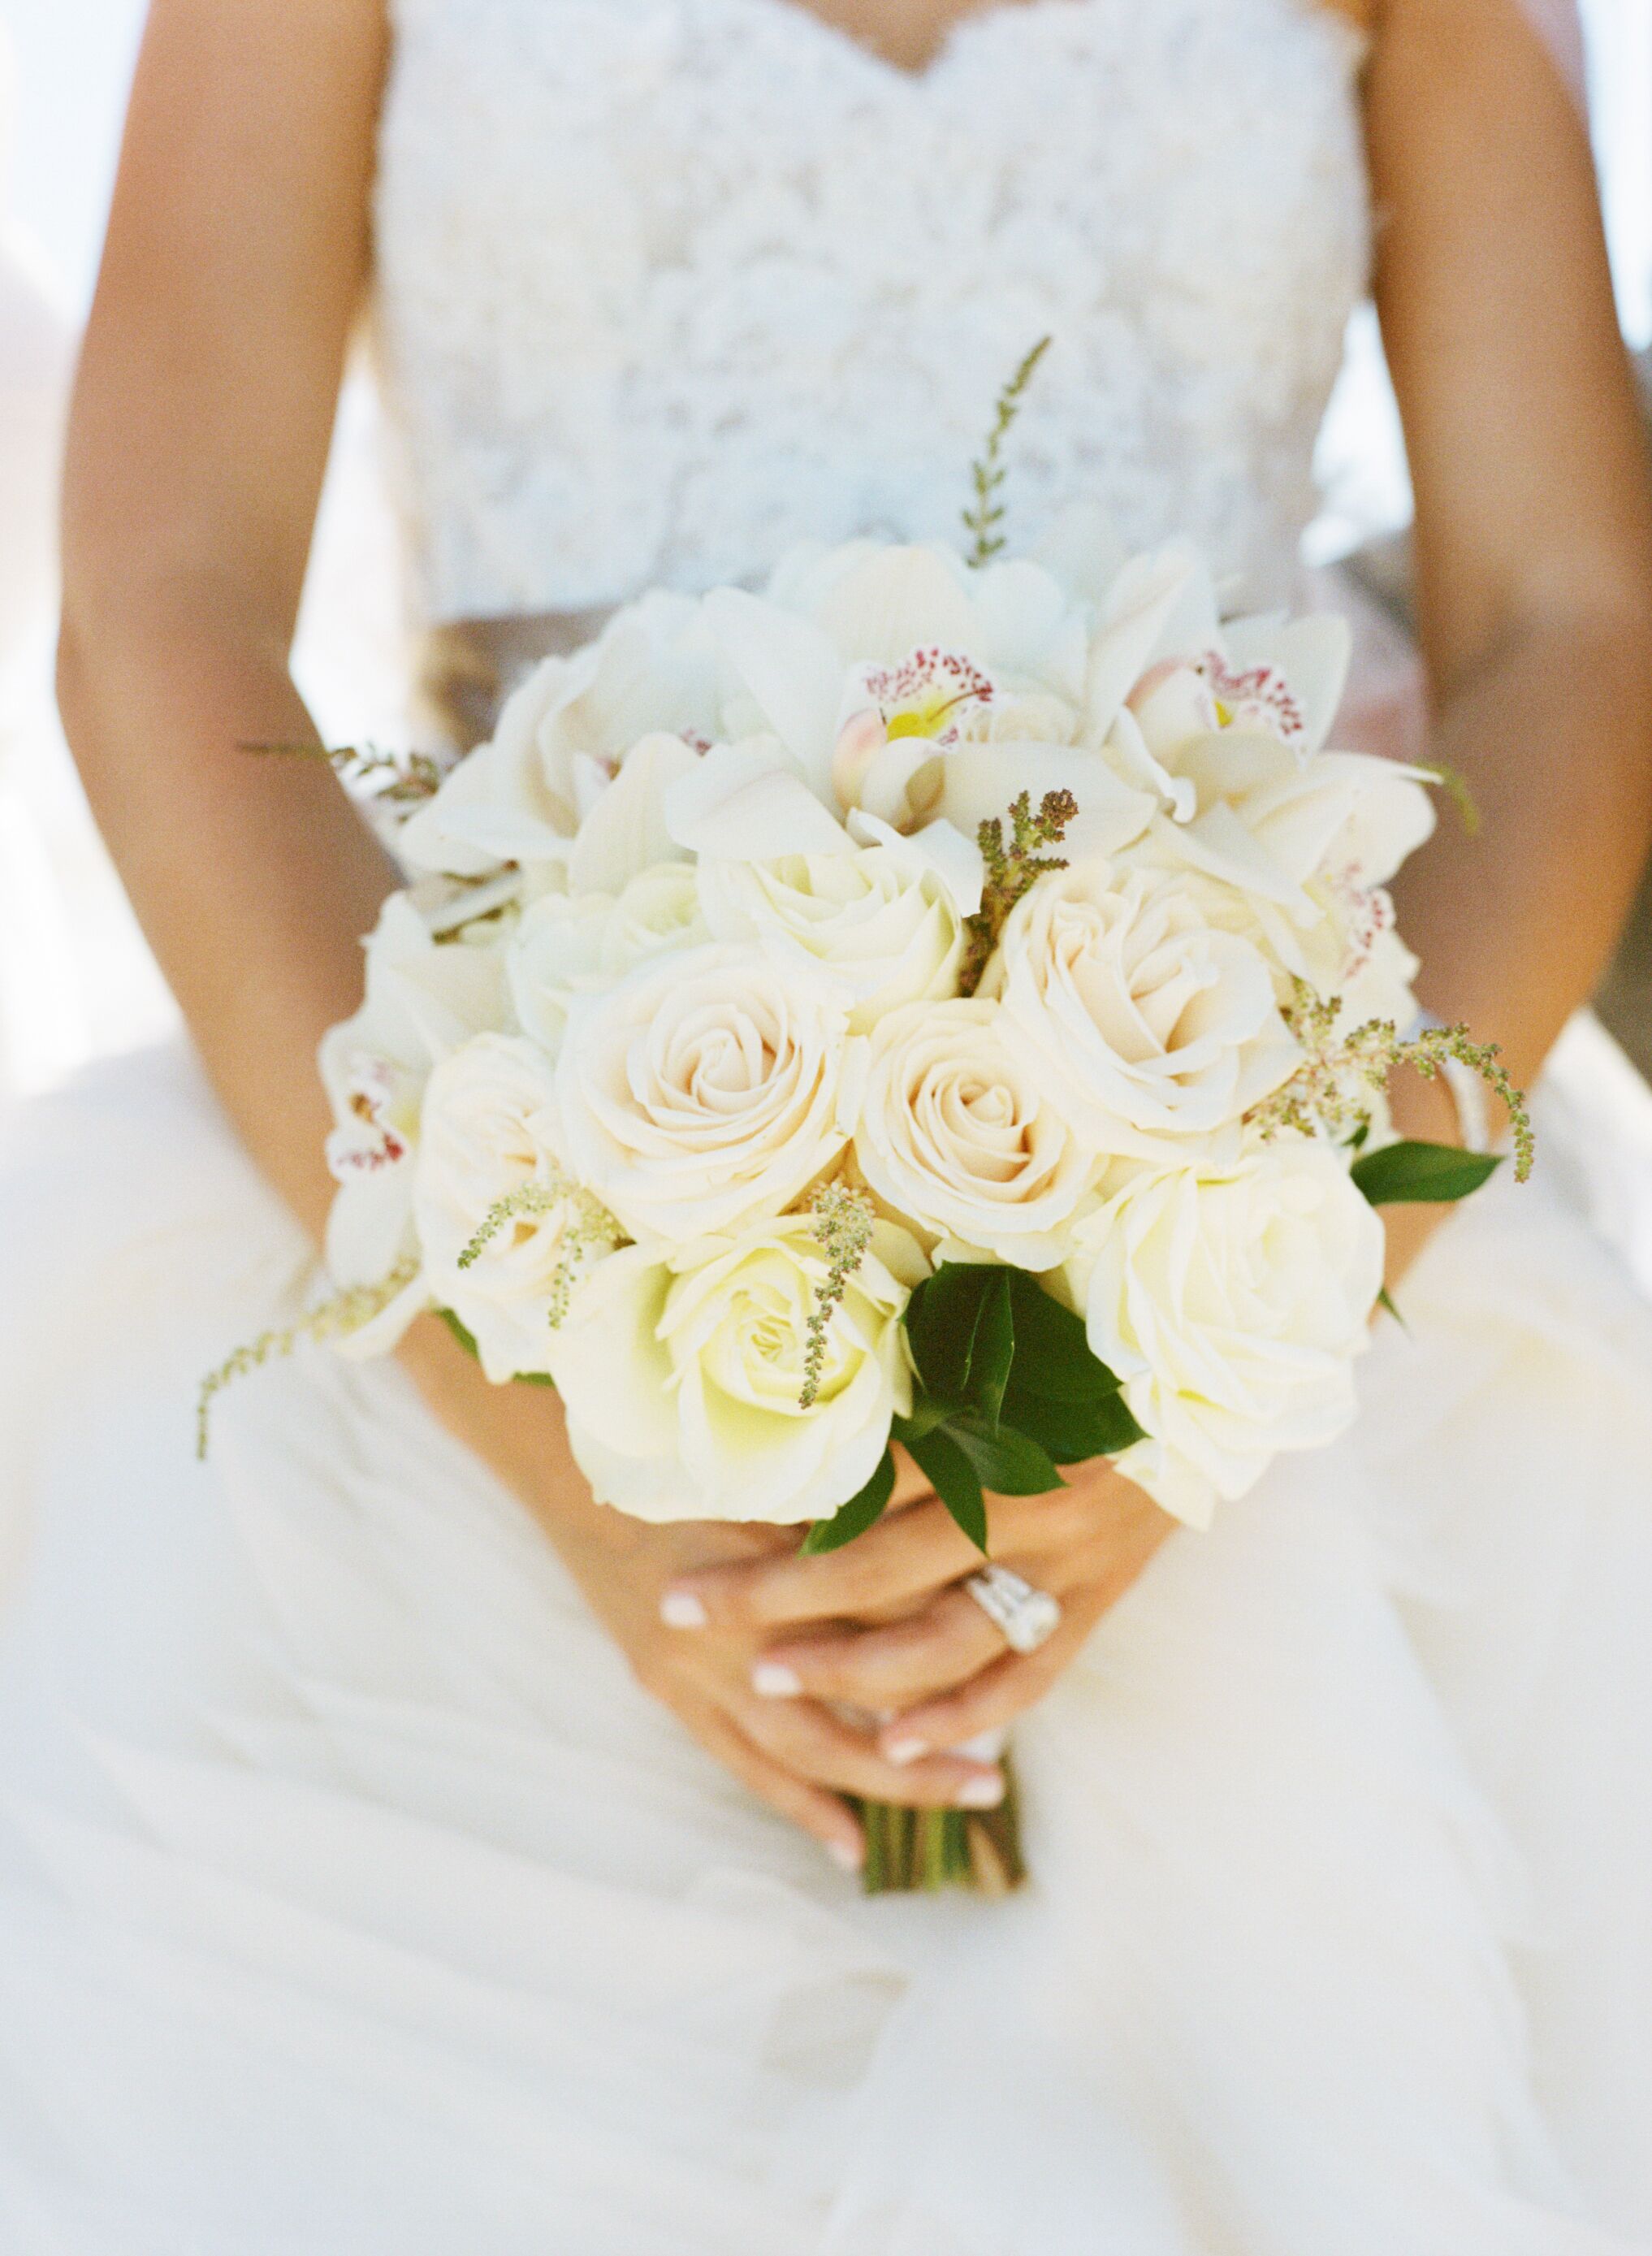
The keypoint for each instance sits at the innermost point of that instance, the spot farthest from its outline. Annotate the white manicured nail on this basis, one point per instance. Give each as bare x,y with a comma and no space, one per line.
844,1855
772,1680
980,1793
906,1750
682,1609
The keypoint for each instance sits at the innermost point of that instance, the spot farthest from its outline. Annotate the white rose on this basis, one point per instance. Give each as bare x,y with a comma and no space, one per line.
1142,1022
488,1132
1231,1305
683,1377
881,918
422,999
580,944
701,1091
954,1132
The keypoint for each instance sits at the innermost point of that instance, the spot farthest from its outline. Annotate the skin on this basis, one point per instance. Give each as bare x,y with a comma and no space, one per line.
236,261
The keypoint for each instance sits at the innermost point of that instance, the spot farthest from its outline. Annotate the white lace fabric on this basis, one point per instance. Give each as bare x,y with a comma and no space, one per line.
668,285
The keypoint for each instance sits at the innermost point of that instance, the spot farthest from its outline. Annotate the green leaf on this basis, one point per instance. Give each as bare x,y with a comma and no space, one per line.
467,1340
963,1335
1423,1174
1053,1355
1385,1299
1071,1432
1008,1462
995,1348
861,1512
952,1477
942,1318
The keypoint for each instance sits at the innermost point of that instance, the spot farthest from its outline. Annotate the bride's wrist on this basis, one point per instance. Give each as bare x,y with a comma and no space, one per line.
518,1432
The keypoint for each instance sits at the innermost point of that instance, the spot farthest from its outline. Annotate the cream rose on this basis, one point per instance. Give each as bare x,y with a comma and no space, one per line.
881,918
954,1132
1144,1023
489,1135
568,945
701,1092
684,1376
1232,1304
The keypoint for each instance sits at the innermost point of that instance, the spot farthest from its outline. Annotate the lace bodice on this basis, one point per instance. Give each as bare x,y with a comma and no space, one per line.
666,286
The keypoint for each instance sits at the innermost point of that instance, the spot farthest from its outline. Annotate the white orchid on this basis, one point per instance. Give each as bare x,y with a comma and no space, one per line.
548,782
424,998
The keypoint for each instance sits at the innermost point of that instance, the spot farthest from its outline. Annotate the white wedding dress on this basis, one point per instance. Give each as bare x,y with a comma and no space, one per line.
353,1901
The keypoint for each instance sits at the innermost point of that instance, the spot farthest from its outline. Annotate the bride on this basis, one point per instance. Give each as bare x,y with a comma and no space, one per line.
400,1855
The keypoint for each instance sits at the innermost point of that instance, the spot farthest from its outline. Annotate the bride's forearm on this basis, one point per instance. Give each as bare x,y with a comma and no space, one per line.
1514,917
254,879
1515,921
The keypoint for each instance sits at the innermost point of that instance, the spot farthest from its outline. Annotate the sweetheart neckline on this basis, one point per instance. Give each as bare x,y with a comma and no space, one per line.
955,36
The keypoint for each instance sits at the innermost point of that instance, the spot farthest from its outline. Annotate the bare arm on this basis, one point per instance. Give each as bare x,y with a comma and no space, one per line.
1534,514
236,254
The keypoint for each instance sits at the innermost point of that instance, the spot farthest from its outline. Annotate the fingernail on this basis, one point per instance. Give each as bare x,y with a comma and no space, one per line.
773,1681
906,1750
846,1855
980,1793
682,1609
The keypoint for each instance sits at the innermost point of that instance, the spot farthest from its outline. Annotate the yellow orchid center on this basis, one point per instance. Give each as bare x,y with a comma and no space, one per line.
919,696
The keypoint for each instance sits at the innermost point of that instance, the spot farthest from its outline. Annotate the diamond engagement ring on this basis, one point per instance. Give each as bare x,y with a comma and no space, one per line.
1028,1617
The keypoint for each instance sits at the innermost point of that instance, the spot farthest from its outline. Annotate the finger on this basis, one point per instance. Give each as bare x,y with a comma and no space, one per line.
907,1553
813,1745
817,1812
891,1665
991,1700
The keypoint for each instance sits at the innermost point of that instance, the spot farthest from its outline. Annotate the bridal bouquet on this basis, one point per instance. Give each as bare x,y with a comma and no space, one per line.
940,1000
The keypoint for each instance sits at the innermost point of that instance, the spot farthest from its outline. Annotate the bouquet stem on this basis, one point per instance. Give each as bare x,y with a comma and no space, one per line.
921,1851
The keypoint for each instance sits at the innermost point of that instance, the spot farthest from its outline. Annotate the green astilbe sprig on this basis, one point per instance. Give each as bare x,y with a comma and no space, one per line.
588,1231
336,1318
401,780
1013,869
986,514
842,1219
1333,1091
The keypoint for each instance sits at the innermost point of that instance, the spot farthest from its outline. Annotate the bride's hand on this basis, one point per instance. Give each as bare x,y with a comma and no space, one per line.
884,1625
795,1755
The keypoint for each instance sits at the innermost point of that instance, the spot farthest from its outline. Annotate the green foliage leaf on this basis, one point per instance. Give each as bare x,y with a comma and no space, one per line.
1071,1432
950,1473
1008,1463
1053,1357
1423,1174
1385,1299
961,1327
942,1318
861,1512
467,1340
995,1348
